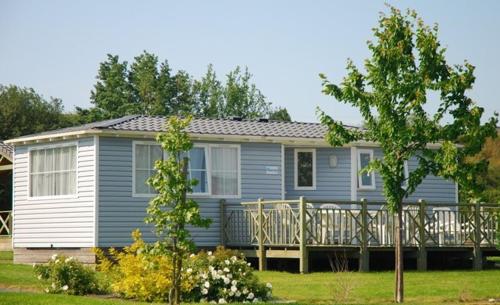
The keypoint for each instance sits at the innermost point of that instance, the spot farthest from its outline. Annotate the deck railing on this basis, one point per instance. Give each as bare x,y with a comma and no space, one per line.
340,223
5,223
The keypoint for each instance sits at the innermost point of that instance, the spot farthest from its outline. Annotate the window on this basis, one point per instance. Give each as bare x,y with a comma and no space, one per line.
225,170
305,169
215,167
406,174
145,156
365,180
53,171
198,169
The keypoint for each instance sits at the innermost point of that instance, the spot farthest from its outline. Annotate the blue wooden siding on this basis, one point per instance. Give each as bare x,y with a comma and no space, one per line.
120,213
335,183
433,189
331,183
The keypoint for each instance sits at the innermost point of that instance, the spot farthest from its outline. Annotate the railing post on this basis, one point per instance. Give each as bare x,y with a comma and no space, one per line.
477,253
262,250
422,251
304,255
364,255
222,216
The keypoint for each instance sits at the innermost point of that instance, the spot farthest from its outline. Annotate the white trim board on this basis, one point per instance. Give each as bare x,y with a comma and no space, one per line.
296,141
354,174
372,174
296,151
96,191
49,146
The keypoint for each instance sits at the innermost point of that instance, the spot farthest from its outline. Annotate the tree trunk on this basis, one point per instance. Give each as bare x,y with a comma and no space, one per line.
171,294
399,289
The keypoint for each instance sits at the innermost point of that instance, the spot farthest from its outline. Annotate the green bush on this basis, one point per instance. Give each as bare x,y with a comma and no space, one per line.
67,276
222,277
136,274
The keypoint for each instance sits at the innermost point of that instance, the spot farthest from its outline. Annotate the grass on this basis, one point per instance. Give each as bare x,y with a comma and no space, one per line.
438,287
5,257
17,276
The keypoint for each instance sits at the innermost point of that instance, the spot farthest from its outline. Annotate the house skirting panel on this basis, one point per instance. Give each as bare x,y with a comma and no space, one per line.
43,255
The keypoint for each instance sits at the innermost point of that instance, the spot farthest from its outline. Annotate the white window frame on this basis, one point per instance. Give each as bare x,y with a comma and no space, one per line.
406,174
208,157
372,186
207,165
49,146
296,172
238,155
134,144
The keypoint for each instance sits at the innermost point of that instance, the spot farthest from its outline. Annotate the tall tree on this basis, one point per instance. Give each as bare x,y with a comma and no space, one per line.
489,178
144,81
23,111
280,114
407,63
242,98
147,87
209,95
112,94
171,211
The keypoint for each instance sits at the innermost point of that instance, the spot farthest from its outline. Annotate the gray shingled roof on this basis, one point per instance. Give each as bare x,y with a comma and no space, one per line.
264,128
89,126
228,127
6,150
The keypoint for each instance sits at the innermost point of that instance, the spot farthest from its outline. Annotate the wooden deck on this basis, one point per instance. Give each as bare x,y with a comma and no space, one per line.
293,228
5,230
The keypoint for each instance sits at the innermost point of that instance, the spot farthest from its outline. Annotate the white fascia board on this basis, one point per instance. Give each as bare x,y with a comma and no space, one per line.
314,142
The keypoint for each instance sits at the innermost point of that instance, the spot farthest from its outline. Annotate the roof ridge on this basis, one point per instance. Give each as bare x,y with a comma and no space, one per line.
113,122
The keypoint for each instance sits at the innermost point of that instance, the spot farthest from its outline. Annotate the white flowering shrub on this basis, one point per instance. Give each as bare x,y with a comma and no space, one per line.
67,276
222,277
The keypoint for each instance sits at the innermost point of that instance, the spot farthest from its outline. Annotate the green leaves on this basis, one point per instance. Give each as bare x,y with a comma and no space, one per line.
24,111
149,87
171,211
407,65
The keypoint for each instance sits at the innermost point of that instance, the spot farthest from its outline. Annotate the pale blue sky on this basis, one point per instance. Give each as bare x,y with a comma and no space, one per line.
56,46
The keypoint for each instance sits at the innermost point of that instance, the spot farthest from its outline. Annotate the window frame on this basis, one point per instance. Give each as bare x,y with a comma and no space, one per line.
406,174
238,155
372,186
134,178
51,146
208,171
296,171
208,159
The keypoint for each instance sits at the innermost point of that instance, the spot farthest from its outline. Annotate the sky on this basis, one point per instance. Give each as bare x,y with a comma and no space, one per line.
55,47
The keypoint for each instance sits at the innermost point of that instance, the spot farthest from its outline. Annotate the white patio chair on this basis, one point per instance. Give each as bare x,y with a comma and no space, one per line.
330,219
445,223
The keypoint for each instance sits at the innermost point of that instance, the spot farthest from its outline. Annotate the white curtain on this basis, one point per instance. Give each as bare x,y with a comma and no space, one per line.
53,171
198,169
145,157
224,171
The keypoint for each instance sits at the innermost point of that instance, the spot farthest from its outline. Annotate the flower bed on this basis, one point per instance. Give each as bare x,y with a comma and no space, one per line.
222,277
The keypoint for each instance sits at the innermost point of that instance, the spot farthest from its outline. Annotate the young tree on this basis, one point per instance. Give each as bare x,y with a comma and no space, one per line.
407,64
171,211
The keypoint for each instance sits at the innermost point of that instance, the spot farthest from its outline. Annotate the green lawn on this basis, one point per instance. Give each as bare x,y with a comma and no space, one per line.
450,287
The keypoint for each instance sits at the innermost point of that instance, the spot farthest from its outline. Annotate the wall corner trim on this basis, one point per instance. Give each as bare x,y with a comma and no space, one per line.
354,174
